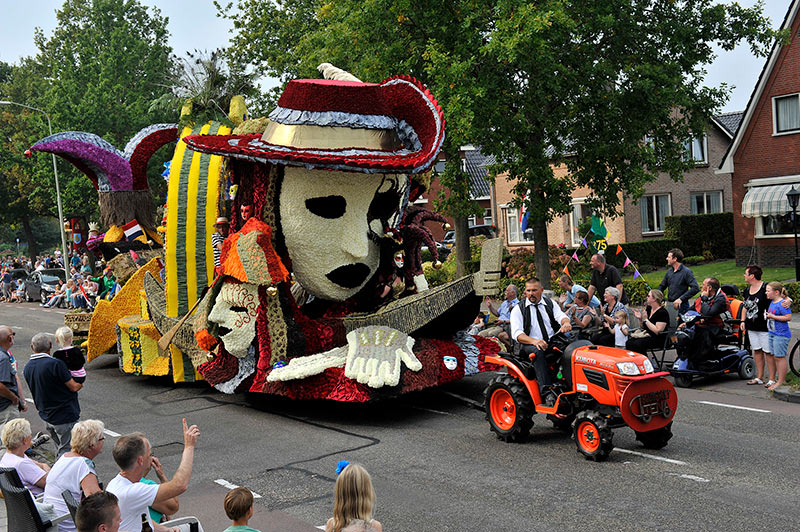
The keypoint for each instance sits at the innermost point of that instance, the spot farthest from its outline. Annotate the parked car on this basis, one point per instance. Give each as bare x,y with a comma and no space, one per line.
449,240
40,285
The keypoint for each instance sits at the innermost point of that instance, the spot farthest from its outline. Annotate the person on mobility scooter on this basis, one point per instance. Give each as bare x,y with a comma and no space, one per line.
533,324
706,328
702,339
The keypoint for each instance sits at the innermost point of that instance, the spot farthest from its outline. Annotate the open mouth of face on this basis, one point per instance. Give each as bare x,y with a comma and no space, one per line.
223,330
349,276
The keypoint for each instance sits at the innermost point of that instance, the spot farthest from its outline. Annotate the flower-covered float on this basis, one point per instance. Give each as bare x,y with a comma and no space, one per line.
320,292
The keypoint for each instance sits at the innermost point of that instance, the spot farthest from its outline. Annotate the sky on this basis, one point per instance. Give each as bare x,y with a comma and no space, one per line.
189,19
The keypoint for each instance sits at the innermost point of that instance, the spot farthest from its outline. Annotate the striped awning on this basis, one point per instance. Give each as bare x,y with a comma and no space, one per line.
767,201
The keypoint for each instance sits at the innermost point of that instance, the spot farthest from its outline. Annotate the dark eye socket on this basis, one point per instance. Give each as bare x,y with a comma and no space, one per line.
238,309
384,204
327,206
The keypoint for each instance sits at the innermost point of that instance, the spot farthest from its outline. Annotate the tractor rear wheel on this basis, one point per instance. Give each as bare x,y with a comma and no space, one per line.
509,408
655,439
747,368
592,436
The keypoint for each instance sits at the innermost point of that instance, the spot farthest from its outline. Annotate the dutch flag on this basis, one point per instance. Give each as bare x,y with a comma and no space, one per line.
132,230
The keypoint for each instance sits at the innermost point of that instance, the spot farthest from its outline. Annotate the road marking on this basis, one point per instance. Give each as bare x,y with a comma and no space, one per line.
712,403
651,456
467,400
430,410
110,433
690,477
225,484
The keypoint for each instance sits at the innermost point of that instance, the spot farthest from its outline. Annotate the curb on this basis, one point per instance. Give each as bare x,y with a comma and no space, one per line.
785,393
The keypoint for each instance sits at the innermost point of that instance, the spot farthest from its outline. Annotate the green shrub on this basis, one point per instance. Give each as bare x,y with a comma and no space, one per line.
441,276
427,256
637,291
694,259
709,235
651,252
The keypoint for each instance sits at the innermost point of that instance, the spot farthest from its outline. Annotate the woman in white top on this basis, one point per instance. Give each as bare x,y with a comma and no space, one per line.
17,438
75,470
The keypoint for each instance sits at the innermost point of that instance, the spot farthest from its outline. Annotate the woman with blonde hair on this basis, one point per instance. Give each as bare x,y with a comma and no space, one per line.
75,470
354,501
17,438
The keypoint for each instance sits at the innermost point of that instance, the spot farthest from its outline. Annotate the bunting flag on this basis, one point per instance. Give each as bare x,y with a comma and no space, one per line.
566,269
584,243
636,273
619,248
627,261
575,255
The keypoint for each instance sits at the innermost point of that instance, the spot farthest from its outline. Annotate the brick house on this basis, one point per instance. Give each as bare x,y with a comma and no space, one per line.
764,157
474,164
702,191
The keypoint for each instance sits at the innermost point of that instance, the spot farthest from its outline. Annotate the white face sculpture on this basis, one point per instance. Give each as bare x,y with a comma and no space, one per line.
235,311
332,222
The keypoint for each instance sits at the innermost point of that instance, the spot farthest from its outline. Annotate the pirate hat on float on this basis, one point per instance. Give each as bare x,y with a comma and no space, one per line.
395,126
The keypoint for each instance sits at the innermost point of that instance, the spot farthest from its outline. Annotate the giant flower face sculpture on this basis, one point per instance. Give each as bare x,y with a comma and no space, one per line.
332,223
234,312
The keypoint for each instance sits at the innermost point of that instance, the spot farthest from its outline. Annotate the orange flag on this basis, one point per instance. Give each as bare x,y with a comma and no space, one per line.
566,270
619,248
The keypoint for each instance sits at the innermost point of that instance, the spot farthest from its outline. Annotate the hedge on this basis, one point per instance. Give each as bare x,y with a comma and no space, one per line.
651,252
636,289
703,234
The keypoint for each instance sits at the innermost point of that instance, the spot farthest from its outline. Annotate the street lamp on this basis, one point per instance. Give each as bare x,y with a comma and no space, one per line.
58,190
793,196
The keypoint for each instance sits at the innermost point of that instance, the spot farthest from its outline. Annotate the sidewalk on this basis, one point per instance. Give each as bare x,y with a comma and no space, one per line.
204,501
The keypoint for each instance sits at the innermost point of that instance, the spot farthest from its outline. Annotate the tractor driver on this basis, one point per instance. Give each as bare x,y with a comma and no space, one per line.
533,323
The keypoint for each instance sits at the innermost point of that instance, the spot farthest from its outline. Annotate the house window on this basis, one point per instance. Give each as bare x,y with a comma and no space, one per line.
655,209
706,202
696,149
471,220
487,217
513,231
580,212
786,111
776,225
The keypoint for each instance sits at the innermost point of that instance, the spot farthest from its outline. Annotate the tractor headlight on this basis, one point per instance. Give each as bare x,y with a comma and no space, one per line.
648,366
628,368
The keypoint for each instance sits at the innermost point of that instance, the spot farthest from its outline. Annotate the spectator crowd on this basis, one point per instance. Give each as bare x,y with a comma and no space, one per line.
81,290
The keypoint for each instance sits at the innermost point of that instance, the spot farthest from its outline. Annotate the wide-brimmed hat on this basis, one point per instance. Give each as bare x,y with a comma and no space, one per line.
222,221
395,126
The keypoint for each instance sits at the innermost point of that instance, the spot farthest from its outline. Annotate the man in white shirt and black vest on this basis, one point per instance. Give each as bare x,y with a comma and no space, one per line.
533,324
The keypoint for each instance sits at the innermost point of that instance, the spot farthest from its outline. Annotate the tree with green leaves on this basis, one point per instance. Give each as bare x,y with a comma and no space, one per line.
99,71
581,83
207,82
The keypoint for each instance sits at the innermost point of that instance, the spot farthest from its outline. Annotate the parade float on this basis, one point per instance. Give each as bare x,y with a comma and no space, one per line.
320,292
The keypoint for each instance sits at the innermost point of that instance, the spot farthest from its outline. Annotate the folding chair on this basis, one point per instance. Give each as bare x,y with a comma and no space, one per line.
21,511
72,504
669,332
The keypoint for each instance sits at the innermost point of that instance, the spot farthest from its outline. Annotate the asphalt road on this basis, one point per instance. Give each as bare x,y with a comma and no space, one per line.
437,467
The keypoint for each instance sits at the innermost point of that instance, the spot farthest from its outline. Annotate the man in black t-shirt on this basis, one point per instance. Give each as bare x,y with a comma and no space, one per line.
603,276
54,391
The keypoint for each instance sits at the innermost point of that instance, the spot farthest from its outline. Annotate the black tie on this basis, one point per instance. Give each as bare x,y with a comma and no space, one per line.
545,336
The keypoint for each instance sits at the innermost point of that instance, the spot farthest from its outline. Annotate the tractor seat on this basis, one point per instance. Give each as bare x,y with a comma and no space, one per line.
566,360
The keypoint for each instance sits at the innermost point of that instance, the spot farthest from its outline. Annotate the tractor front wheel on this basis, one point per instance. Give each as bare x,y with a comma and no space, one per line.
509,408
592,436
655,439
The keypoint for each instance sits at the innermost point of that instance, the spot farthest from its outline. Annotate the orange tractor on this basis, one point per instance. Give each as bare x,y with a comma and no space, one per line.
599,388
